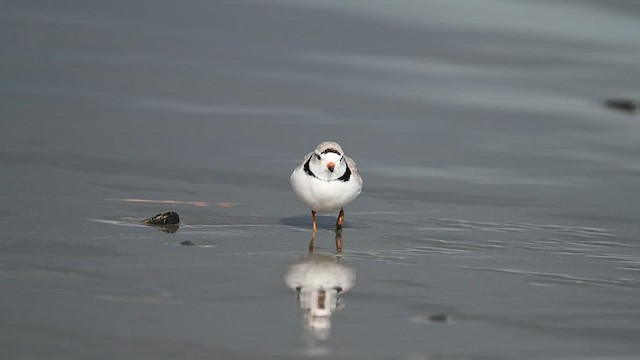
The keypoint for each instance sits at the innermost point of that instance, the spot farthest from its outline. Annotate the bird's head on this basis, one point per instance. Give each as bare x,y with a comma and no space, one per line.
327,161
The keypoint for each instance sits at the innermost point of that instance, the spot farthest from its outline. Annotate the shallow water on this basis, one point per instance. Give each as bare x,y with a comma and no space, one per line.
498,219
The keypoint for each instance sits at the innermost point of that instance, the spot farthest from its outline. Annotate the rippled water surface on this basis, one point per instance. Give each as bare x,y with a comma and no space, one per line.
498,218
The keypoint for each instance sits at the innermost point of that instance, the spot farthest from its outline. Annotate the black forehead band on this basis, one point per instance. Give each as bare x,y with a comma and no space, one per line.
331,150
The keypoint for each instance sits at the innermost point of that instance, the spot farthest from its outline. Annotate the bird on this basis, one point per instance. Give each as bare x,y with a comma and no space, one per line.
326,180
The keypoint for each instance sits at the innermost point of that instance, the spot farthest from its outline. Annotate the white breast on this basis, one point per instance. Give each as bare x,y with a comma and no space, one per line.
323,196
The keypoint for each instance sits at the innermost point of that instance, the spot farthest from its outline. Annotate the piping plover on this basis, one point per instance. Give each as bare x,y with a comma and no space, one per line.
326,180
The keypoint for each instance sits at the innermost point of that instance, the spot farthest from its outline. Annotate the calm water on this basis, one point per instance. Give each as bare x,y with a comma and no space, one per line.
499,218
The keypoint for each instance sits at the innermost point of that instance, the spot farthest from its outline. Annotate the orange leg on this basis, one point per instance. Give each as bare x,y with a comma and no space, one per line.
339,241
340,220
313,216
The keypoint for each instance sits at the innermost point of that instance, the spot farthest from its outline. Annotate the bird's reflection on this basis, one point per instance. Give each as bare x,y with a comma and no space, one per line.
338,242
319,280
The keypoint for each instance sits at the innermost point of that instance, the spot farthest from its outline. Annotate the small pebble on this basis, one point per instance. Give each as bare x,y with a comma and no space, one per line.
625,105
187,243
439,318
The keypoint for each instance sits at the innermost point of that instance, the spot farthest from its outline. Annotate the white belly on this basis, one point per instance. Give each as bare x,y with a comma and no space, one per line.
323,196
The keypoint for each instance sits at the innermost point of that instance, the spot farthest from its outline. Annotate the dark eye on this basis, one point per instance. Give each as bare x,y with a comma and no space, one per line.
317,156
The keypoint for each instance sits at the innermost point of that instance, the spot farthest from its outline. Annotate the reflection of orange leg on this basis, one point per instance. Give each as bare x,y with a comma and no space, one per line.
338,241
313,216
340,220
313,237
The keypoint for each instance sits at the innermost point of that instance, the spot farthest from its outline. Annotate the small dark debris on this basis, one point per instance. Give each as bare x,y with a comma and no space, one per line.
187,243
441,318
165,218
625,105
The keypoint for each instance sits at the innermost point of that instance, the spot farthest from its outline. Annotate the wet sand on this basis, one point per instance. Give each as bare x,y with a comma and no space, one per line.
500,206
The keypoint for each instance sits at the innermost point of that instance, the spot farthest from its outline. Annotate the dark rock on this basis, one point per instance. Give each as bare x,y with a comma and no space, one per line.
165,218
625,105
187,243
168,222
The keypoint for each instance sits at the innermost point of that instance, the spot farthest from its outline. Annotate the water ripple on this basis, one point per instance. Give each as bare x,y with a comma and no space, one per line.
546,278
